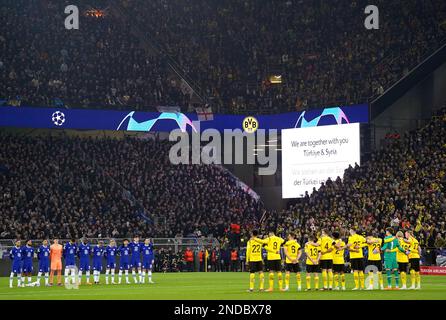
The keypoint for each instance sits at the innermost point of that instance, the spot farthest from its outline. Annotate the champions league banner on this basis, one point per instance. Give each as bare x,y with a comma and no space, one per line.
86,119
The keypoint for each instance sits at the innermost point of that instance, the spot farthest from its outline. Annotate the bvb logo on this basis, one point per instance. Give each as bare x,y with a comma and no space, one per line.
250,124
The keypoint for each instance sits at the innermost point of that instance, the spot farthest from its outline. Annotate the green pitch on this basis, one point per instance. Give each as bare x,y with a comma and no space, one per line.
213,286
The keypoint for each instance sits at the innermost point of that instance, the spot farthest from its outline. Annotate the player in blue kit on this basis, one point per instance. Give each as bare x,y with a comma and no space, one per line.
98,253
124,261
69,254
84,251
147,260
135,247
110,255
16,256
27,256
43,254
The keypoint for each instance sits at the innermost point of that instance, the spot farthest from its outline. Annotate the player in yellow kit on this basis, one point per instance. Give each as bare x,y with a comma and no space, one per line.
414,261
326,262
338,261
293,253
254,261
355,245
273,259
313,252
374,259
403,259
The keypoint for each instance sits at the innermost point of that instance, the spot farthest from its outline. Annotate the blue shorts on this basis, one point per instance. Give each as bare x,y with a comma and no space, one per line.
136,263
147,265
70,263
111,265
124,266
27,267
44,267
97,266
16,268
84,266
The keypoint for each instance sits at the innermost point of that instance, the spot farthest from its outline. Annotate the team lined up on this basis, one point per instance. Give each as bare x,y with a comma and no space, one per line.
50,261
325,254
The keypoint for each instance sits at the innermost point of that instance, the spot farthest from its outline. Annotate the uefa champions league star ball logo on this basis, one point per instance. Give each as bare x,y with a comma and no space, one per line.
58,118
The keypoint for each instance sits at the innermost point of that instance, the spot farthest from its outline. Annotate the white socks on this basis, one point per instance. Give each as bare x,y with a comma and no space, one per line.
107,272
107,275
126,276
73,275
86,273
66,275
96,275
143,276
11,279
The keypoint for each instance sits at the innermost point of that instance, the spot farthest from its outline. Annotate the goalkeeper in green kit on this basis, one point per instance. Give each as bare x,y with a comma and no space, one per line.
391,245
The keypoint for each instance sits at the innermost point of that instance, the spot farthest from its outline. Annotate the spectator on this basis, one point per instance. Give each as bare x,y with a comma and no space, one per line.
189,259
234,260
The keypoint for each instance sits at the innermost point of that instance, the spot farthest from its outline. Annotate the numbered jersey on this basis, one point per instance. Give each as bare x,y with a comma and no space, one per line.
84,251
28,253
374,250
43,253
273,244
414,249
253,251
313,252
357,242
402,257
292,248
338,254
326,244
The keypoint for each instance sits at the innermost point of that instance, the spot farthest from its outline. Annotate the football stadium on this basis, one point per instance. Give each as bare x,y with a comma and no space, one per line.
222,150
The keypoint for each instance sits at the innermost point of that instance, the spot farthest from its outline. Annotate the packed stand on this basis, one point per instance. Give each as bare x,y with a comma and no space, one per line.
402,186
324,53
99,188
101,65
228,49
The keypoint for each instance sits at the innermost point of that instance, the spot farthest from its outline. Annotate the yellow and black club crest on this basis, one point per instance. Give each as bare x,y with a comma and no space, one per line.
250,124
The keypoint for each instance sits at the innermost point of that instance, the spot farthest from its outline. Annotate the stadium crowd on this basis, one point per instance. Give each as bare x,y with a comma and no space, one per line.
74,187
102,65
403,185
228,49
98,188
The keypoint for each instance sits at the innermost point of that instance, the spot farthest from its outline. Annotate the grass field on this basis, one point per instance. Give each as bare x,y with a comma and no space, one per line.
213,286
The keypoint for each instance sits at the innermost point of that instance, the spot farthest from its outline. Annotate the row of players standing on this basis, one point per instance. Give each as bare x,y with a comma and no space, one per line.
50,259
325,254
